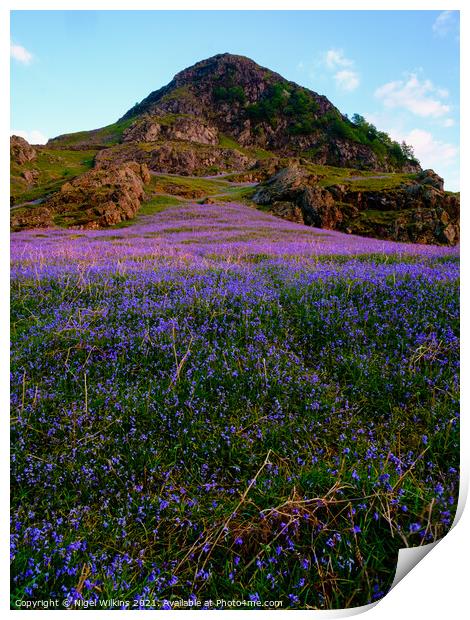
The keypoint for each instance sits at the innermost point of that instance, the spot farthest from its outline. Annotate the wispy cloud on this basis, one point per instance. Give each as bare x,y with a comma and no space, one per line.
418,97
444,23
335,58
33,137
20,53
346,78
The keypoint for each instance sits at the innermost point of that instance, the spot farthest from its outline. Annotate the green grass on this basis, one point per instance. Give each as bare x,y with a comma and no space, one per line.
358,180
227,142
237,194
54,167
379,217
195,188
104,136
157,204
183,92
187,185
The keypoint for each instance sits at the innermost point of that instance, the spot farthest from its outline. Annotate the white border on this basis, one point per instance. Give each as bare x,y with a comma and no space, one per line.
438,585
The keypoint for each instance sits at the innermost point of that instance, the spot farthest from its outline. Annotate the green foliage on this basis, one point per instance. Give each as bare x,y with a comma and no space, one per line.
303,108
231,94
270,107
381,143
358,130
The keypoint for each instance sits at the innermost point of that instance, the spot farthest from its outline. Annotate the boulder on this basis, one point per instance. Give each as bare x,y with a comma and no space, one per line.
429,177
21,151
288,211
37,217
284,185
293,187
30,176
319,208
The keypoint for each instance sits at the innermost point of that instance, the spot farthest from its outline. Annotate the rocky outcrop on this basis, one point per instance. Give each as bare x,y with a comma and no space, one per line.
21,151
32,217
429,177
264,169
288,211
419,211
259,108
285,185
176,158
30,176
188,129
96,199
314,205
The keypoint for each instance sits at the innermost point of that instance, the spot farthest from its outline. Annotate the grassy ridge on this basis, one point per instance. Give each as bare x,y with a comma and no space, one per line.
54,168
104,136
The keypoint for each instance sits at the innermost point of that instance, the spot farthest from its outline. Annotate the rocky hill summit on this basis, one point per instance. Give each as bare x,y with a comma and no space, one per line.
229,118
259,108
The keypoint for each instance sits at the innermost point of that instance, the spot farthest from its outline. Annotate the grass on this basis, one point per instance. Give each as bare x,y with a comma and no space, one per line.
358,180
379,217
237,194
195,188
227,142
54,168
185,186
181,93
155,204
104,136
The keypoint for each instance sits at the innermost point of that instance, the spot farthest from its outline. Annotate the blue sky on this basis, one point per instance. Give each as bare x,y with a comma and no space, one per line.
75,70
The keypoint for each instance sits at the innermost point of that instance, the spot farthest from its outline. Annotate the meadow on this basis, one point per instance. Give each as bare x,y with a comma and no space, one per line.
216,404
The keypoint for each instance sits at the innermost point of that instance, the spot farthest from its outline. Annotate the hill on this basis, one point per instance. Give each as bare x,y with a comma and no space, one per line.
227,115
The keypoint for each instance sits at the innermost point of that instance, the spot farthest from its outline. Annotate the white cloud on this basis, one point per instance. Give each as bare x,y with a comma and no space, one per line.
444,23
347,80
420,98
432,153
345,77
33,137
20,53
449,122
335,58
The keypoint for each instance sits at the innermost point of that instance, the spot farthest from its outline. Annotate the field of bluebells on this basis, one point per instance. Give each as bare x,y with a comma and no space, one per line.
217,404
